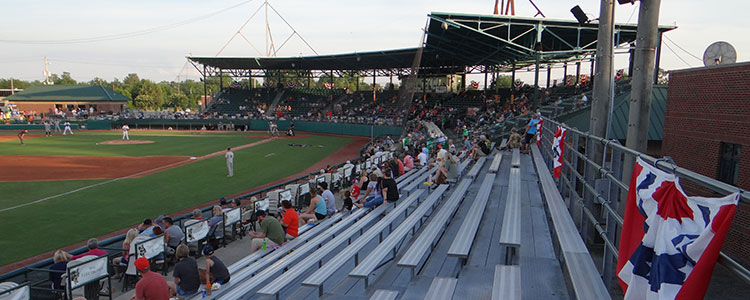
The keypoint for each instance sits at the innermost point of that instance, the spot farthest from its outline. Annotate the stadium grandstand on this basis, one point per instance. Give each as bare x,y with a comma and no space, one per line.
475,214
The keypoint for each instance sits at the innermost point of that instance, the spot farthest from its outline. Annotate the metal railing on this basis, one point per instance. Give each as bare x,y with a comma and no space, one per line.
593,190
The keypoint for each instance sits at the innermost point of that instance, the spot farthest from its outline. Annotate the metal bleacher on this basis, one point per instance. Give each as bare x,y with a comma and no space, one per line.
407,250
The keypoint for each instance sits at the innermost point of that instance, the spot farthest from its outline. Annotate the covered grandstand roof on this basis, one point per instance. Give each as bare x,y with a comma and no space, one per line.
457,41
63,93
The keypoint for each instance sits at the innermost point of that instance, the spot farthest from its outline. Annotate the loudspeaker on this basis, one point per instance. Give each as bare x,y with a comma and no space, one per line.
621,2
579,14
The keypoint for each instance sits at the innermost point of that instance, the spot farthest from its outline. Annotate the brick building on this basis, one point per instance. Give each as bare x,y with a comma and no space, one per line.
44,99
707,130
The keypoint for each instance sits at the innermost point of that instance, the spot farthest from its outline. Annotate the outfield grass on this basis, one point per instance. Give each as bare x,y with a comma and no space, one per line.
165,143
62,221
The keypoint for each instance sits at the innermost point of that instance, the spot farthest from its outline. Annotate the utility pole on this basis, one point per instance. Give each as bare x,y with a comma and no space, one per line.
600,102
47,80
642,83
12,90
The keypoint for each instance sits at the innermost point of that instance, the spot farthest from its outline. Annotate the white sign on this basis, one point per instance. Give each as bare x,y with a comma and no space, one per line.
150,248
22,293
87,271
196,231
232,216
285,195
262,204
304,189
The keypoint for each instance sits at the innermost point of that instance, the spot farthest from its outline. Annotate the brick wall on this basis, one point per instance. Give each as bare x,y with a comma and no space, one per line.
707,106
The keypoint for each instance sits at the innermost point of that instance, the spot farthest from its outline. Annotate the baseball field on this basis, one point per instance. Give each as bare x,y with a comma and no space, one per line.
61,190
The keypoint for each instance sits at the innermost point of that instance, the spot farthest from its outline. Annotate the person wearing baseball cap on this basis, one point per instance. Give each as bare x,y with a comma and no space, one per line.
216,270
152,286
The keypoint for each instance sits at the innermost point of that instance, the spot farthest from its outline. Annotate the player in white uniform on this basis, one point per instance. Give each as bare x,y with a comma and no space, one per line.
230,161
125,129
67,128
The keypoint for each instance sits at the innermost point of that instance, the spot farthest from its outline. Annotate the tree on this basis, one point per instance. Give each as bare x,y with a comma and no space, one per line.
65,79
504,81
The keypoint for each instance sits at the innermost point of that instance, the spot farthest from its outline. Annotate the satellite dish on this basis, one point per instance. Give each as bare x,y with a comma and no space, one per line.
719,53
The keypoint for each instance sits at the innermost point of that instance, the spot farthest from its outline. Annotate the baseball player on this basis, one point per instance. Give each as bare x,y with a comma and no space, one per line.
57,125
22,134
47,128
125,129
230,161
67,128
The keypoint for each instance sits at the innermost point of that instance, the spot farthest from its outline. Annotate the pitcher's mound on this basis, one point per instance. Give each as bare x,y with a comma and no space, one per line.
121,142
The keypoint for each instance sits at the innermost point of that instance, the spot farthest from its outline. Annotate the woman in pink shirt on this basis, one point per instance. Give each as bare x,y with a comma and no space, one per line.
408,162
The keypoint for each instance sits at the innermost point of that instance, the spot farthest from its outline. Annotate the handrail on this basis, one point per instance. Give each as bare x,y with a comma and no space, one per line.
607,233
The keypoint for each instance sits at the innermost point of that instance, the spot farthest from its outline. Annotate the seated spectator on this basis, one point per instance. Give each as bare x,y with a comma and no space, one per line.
290,220
216,270
215,225
374,195
60,260
401,167
146,228
152,285
93,245
447,170
271,232
186,278
348,203
389,188
317,209
173,235
129,237
197,216
329,198
422,156
408,162
372,188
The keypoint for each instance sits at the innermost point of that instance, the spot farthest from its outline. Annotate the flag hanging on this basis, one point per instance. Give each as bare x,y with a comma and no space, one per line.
539,132
670,241
558,146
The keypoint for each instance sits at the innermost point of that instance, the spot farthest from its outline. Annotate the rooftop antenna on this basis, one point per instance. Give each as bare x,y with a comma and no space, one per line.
270,48
47,80
509,9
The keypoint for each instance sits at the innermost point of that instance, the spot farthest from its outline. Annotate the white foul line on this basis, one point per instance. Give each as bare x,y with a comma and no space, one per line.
270,154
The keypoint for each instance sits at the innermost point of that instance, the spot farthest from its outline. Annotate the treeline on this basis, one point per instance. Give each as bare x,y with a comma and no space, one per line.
147,94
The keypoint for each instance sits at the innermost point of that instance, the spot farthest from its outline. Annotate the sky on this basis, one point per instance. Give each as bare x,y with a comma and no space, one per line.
153,37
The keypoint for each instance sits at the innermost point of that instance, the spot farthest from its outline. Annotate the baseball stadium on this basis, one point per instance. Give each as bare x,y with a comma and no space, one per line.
432,172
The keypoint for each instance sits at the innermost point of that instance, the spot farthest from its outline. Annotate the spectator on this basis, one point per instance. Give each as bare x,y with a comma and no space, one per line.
408,162
423,157
172,234
271,231
215,225
197,216
216,270
290,221
185,275
93,245
329,198
374,195
514,141
60,260
129,237
401,167
389,188
355,189
146,228
317,209
152,286
348,203
530,132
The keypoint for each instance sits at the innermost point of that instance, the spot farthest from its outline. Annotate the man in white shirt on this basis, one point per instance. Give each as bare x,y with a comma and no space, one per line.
125,129
329,198
422,158
230,161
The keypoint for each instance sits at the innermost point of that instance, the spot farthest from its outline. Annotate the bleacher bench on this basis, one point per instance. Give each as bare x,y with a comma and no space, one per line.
476,168
515,160
427,239
334,264
506,284
495,165
442,288
461,245
580,269
510,234
389,244
504,143
384,295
